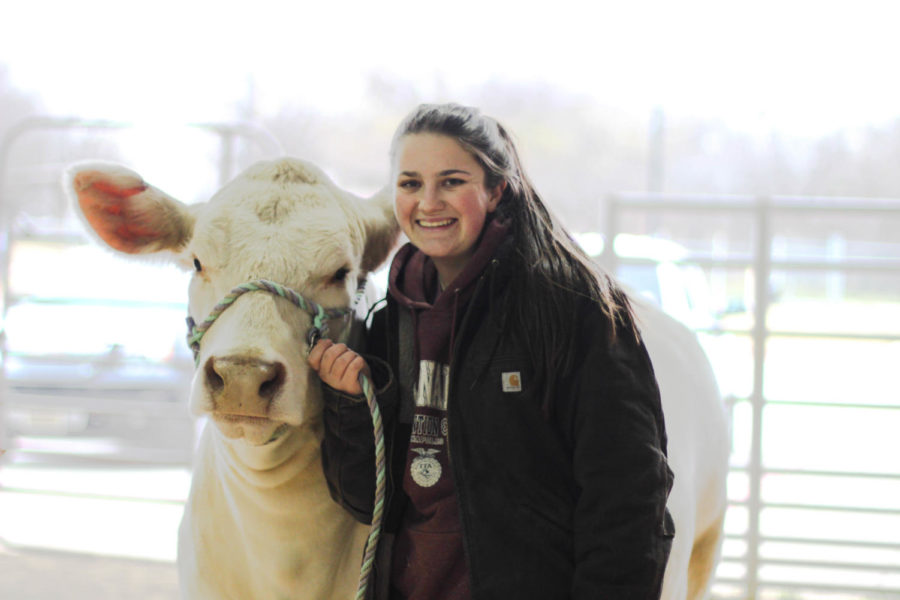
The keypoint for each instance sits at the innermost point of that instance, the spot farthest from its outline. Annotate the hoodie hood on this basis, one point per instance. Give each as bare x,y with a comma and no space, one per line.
413,283
413,279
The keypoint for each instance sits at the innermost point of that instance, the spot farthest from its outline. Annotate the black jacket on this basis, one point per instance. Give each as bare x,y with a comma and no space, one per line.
570,505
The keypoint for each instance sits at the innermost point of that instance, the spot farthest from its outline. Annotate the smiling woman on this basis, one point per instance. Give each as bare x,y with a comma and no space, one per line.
522,389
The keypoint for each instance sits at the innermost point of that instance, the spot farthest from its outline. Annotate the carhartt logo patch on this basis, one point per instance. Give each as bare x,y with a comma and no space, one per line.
512,382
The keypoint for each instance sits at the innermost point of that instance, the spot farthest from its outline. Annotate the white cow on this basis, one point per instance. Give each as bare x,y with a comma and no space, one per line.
259,522
699,446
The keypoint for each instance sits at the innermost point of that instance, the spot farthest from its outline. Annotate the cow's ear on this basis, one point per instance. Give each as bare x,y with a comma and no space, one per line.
125,212
381,227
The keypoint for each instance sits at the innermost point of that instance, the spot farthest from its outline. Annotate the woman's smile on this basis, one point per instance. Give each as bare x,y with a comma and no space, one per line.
432,224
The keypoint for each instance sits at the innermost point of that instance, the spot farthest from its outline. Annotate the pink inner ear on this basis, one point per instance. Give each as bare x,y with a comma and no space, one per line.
134,232
120,192
107,207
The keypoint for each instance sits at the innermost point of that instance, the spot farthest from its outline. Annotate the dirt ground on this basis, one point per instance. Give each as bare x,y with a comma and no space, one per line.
27,574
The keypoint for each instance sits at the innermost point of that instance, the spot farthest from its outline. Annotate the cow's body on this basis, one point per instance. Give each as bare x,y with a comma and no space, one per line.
266,533
259,522
699,445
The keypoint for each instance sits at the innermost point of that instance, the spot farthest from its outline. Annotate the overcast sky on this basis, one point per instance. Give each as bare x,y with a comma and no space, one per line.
805,66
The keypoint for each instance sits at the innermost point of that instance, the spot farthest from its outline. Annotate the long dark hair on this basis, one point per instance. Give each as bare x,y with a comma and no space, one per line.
553,274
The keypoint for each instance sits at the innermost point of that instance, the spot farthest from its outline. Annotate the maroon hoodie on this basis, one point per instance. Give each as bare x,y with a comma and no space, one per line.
428,558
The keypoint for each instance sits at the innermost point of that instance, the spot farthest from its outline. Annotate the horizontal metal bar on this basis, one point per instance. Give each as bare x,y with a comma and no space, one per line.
684,205
835,204
94,301
732,399
777,264
734,203
737,557
698,201
831,508
730,581
725,263
820,473
831,542
814,564
846,265
85,496
835,335
886,592
820,507
773,402
820,335
161,402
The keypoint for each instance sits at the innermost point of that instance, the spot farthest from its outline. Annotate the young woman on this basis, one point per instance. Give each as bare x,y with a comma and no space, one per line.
525,436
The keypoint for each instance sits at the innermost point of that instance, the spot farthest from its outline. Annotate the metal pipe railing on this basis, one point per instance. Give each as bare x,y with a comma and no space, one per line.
761,212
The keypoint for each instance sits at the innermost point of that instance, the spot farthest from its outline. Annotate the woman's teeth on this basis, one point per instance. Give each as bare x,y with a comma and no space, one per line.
434,224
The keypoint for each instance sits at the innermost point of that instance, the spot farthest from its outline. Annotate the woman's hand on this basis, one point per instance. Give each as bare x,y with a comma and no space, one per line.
338,366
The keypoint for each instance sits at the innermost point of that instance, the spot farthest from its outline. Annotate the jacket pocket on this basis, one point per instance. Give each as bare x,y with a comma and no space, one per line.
667,525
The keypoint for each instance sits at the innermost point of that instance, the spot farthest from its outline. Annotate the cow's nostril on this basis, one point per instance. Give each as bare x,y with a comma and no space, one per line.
271,386
243,385
214,381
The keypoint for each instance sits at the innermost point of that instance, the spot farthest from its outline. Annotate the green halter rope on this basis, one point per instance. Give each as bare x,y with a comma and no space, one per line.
319,328
320,314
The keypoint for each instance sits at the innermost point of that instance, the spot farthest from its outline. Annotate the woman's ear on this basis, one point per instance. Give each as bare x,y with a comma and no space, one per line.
496,195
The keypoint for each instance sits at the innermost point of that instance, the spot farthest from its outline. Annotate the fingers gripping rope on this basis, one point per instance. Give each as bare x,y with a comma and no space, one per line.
320,316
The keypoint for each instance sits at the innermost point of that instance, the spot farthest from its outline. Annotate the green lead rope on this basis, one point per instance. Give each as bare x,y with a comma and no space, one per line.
319,328
378,509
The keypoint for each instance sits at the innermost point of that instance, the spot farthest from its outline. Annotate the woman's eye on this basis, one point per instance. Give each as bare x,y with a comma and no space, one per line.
409,185
453,182
197,266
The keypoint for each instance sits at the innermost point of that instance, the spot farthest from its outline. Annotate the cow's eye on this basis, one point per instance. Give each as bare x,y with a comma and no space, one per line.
340,274
197,266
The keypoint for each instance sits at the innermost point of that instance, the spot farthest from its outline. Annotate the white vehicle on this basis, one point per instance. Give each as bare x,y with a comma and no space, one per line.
651,268
94,358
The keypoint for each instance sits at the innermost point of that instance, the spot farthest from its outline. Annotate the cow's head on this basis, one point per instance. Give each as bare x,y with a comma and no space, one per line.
284,221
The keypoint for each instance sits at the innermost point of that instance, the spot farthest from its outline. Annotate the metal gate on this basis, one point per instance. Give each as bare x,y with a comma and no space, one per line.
59,390
814,488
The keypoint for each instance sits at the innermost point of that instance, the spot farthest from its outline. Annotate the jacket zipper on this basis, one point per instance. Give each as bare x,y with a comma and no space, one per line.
451,402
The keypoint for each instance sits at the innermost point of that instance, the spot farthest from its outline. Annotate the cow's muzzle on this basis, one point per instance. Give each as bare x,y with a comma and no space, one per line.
242,386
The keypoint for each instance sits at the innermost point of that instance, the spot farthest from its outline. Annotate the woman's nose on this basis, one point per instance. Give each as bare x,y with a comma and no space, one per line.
431,198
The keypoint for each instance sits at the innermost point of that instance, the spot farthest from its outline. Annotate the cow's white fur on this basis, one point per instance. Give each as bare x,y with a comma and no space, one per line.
259,522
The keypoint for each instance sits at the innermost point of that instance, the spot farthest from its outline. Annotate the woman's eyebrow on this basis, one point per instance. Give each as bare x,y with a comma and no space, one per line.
443,173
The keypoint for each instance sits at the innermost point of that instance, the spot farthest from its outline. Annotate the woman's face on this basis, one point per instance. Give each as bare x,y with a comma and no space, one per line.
441,201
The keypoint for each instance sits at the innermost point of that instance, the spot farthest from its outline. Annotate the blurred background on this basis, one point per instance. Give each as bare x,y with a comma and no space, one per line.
741,157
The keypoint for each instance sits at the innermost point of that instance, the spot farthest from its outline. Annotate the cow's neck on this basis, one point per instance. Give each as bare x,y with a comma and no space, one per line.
260,523
294,454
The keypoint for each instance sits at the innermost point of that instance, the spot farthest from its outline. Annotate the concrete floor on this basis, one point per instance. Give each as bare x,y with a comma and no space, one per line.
82,530
27,574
